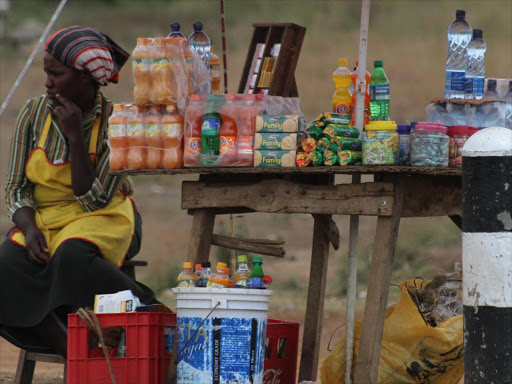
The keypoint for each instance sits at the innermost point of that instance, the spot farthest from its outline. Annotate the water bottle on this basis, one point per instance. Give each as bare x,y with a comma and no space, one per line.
243,272
205,274
490,93
379,93
200,42
175,32
459,36
475,70
508,106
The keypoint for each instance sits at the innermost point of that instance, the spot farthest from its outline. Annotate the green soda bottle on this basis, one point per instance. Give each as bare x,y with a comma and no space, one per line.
256,277
210,139
379,93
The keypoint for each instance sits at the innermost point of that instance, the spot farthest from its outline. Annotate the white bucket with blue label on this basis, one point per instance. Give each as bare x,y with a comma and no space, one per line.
221,335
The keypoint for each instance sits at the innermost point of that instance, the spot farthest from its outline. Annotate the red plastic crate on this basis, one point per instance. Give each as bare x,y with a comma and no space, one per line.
146,362
282,347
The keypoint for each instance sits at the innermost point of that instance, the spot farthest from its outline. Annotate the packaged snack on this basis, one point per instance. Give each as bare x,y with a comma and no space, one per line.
330,157
302,160
334,130
349,157
278,159
308,145
323,144
347,143
275,141
277,123
315,131
316,158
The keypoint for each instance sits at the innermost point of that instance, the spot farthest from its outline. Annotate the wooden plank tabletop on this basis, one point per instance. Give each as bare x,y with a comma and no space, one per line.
361,169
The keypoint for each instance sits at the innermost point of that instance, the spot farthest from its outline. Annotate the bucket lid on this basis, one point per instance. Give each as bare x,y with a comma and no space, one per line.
188,265
431,127
403,129
242,258
381,126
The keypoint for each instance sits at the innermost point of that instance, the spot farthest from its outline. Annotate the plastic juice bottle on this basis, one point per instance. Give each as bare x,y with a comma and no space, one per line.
117,138
200,42
256,277
379,93
367,79
172,129
137,145
154,138
230,284
177,72
193,122
160,72
205,274
210,137
215,71
228,132
141,64
246,129
219,279
199,269
242,273
187,278
342,99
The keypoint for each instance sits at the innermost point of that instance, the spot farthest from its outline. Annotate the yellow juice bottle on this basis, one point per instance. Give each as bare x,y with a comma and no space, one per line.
342,98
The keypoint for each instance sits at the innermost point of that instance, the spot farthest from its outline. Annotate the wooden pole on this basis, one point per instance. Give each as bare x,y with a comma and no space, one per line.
361,69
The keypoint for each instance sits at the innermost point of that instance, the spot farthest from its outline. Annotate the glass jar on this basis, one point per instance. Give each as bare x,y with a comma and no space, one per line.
380,143
458,136
429,145
405,144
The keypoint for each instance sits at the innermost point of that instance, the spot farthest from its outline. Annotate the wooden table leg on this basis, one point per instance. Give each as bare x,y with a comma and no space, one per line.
367,364
201,235
315,304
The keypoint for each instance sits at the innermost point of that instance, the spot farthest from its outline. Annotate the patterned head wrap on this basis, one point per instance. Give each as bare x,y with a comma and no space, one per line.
85,48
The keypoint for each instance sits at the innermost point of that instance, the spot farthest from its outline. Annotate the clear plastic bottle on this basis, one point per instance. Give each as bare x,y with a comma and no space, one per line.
187,278
379,93
490,93
475,69
215,71
200,42
205,274
199,269
219,279
176,33
257,275
508,106
141,68
342,99
353,89
242,273
459,36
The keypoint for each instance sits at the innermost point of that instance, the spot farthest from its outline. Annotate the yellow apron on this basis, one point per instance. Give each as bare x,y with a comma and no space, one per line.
59,215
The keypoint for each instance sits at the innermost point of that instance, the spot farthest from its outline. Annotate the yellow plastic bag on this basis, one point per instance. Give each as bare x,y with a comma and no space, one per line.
412,352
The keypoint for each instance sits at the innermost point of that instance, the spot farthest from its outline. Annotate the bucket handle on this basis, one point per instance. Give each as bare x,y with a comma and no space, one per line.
217,303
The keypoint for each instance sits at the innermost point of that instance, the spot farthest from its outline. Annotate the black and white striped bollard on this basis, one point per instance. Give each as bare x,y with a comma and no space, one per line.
487,256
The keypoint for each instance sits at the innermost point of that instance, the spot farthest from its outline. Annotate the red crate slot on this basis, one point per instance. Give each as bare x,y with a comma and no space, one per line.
281,349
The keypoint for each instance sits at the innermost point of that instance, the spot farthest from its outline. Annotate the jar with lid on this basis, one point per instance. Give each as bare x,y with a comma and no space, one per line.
405,144
380,143
458,136
429,145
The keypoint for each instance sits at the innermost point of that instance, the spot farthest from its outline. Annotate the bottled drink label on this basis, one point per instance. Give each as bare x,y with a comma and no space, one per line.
160,64
186,283
173,130
379,92
137,129
455,80
211,284
117,130
192,146
227,144
344,110
477,86
153,130
241,284
141,65
245,144
210,126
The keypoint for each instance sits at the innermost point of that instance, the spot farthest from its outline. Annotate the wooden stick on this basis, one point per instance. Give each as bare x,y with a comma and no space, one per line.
329,227
242,245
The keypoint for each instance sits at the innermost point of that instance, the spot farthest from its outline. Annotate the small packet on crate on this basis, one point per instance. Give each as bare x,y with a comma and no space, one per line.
120,302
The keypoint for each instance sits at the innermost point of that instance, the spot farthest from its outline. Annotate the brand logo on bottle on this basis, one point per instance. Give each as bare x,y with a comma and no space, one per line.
342,109
194,144
272,376
226,144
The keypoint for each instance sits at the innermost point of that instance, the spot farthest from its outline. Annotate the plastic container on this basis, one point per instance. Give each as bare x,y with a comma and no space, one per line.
380,143
243,272
230,344
404,132
154,138
136,131
117,138
200,42
229,113
367,79
342,98
187,278
257,275
205,274
215,71
220,278
458,136
379,93
430,145
172,132
141,66
149,340
475,66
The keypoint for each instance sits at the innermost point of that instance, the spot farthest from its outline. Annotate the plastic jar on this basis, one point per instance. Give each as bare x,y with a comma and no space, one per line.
458,136
380,143
429,145
405,144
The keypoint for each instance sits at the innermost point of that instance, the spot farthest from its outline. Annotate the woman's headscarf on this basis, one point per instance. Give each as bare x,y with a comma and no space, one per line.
85,48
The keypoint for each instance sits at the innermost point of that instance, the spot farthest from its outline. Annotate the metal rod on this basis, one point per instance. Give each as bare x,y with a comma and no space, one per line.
361,69
224,56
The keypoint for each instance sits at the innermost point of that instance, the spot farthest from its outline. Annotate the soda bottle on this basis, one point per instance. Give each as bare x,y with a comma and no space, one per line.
342,99
508,106
242,273
176,33
256,276
230,283
215,71
459,36
199,270
219,279
246,129
187,278
176,68
154,138
172,130
117,138
475,69
210,138
228,132
200,42
379,93
490,93
366,96
136,131
193,122
141,72
205,274
160,72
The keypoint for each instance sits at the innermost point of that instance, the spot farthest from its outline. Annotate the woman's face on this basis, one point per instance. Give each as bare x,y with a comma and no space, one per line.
64,81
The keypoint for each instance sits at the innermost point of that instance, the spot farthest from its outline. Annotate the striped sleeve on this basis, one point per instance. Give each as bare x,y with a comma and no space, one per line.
19,190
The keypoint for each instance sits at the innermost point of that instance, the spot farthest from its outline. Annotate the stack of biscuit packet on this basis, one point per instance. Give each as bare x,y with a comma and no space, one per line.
330,141
275,140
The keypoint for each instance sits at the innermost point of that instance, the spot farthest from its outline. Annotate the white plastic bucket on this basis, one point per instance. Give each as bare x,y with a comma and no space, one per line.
229,346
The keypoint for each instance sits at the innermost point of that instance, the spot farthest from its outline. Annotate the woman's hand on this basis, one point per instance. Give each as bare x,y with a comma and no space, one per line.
70,119
36,246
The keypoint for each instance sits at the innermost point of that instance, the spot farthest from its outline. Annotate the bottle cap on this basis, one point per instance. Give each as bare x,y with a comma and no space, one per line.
206,264
460,14
198,266
403,129
267,280
458,130
242,258
477,34
188,265
342,62
510,85
118,107
257,260
491,84
377,63
198,26
175,27
221,266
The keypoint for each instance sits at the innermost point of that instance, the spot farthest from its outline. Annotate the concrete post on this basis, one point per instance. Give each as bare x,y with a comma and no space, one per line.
487,256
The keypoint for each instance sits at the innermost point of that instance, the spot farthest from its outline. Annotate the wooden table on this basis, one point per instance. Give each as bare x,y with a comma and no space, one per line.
396,192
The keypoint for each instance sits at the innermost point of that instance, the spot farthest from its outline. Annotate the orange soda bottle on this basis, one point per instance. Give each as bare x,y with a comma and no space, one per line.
367,77
141,65
215,71
187,278
228,132
160,72
219,279
117,138
154,138
246,129
137,151
193,122
172,128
